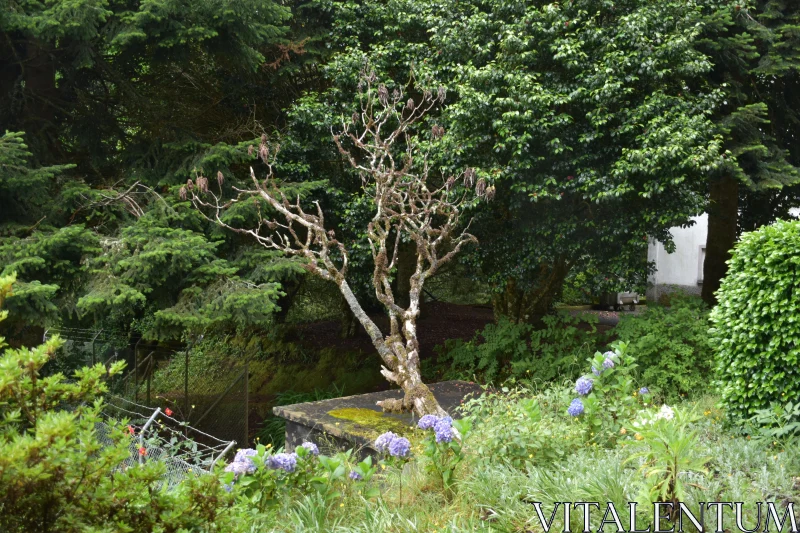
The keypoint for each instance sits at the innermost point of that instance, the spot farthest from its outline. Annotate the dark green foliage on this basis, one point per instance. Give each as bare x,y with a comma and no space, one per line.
584,126
754,48
557,350
756,331
25,191
162,266
135,80
671,347
47,260
135,96
756,54
51,265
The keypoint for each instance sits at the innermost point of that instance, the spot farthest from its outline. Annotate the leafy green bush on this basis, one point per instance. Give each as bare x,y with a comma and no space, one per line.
515,427
777,423
56,471
671,346
607,398
264,478
756,333
519,349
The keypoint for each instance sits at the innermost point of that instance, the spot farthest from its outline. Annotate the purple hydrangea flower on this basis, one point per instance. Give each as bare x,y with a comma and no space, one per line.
399,447
583,386
608,363
242,462
595,371
427,421
246,452
228,486
575,407
311,447
610,354
383,441
644,390
444,429
355,476
283,461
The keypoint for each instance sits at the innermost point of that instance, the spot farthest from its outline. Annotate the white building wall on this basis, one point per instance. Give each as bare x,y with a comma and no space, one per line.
683,269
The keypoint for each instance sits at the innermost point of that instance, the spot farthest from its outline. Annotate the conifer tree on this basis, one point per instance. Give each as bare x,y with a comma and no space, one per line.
756,53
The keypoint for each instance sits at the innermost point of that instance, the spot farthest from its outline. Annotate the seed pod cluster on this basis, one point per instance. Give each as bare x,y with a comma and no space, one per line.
480,187
202,184
469,177
437,132
383,94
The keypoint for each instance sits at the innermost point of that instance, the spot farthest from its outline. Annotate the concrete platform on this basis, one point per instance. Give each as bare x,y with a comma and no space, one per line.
355,421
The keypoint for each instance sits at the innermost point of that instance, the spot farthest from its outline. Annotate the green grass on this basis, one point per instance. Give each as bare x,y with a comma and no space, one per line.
493,496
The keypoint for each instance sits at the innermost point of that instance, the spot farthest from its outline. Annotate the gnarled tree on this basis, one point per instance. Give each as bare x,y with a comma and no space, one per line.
380,143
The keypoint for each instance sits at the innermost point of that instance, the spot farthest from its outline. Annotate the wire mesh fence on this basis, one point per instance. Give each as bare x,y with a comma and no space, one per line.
156,436
212,401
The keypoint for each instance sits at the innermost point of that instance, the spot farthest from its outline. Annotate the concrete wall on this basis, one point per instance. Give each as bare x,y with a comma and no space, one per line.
682,270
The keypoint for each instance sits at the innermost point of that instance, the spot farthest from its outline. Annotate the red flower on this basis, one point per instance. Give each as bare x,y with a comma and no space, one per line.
168,411
130,430
142,451
569,178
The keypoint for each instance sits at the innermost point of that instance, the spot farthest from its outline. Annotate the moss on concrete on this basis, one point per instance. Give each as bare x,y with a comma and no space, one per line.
368,423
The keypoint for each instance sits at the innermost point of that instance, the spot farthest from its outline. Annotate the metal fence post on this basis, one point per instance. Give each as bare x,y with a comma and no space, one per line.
94,339
149,376
186,385
144,428
136,374
223,452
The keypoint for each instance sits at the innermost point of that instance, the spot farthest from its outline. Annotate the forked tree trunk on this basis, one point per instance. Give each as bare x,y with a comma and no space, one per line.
399,352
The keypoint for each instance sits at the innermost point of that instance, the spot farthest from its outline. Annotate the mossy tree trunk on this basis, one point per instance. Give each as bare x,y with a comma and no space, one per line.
399,352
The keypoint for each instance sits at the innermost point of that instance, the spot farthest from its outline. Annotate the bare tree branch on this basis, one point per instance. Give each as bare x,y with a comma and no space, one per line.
380,143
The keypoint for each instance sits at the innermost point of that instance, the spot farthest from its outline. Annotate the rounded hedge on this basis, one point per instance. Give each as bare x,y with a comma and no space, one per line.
756,324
